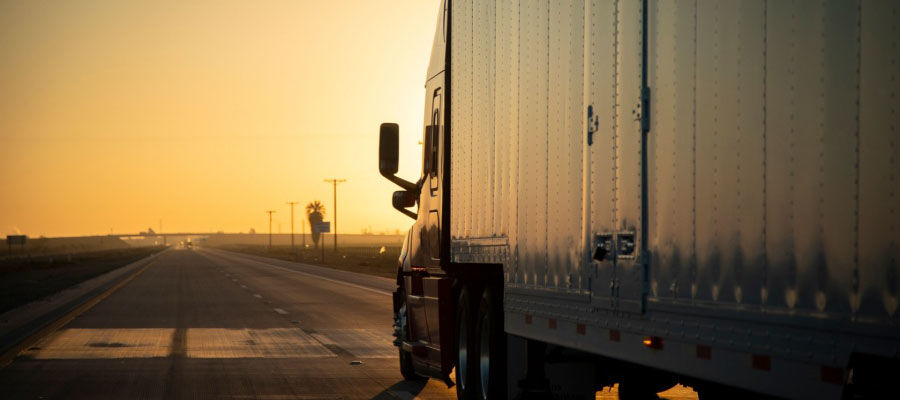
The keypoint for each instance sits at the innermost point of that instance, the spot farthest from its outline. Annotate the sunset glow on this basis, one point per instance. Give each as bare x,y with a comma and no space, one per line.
204,114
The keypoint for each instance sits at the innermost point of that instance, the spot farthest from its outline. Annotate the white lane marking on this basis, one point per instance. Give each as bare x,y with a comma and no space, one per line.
373,290
257,295
280,311
243,286
233,280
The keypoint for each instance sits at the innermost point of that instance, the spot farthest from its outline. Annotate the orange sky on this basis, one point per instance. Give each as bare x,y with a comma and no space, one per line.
114,114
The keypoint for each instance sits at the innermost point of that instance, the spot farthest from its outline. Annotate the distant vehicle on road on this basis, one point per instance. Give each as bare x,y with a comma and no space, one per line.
650,192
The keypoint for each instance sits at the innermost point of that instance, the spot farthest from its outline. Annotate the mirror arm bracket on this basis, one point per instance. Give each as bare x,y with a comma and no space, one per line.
403,183
406,212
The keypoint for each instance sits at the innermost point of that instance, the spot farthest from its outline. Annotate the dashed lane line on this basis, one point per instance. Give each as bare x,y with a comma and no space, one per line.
373,290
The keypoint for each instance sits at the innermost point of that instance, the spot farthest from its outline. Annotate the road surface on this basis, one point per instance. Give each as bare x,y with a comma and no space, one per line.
206,323
210,324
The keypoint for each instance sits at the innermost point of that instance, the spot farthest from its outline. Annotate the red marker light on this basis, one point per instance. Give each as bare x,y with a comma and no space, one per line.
653,342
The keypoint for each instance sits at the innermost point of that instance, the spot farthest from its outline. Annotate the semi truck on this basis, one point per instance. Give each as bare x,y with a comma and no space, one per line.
650,192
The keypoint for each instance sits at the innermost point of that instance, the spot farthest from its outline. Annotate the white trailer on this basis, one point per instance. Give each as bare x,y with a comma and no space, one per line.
684,190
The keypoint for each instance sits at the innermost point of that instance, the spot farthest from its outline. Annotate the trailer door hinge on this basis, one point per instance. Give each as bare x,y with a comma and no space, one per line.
644,109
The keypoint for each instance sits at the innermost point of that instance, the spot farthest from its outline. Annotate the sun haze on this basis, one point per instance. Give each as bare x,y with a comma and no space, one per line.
204,114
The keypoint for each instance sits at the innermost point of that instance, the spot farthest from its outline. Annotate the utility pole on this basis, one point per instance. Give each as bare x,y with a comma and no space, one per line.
292,224
334,182
161,232
270,228
303,231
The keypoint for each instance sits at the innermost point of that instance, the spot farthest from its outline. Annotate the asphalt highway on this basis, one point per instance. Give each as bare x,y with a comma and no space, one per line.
210,324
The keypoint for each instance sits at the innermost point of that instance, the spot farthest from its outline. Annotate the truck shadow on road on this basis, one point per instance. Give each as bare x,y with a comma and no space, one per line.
405,390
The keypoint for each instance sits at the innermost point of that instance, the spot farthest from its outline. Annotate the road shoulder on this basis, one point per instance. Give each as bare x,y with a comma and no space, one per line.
25,323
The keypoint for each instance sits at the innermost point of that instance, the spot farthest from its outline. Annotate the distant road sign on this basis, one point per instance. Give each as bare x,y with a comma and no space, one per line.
16,240
323,227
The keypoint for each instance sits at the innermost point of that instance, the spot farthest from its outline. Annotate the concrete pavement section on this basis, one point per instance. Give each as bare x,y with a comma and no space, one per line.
212,324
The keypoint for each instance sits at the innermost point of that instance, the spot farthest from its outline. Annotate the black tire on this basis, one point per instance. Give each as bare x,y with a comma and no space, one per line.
720,392
406,362
491,347
640,383
464,349
631,390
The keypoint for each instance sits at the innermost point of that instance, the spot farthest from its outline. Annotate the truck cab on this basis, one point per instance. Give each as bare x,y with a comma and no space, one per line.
420,275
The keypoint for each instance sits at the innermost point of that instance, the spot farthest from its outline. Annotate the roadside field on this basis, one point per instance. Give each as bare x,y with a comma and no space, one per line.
26,279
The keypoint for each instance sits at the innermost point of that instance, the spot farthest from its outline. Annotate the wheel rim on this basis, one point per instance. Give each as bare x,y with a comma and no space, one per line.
485,355
462,363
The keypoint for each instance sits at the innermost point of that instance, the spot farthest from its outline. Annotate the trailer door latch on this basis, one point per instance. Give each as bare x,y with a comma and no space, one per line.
605,249
625,244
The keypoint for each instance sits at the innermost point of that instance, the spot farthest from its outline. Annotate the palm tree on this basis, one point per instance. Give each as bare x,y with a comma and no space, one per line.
315,213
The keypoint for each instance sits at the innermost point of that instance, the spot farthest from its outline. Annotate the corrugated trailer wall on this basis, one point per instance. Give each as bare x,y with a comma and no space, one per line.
565,142
518,134
877,285
602,96
773,156
772,149
771,179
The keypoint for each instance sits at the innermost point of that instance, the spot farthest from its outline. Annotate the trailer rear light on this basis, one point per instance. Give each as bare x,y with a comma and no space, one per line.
832,375
653,342
614,335
580,329
704,352
551,323
762,362
527,319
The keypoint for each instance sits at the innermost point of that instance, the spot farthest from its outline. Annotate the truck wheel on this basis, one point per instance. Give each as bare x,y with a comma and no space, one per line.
633,391
491,347
714,391
466,354
402,326
639,383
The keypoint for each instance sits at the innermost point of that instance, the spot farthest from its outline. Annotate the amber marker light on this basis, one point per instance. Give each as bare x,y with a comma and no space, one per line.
653,342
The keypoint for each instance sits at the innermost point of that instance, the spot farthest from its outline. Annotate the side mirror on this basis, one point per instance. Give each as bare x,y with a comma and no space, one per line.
389,155
388,149
402,200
